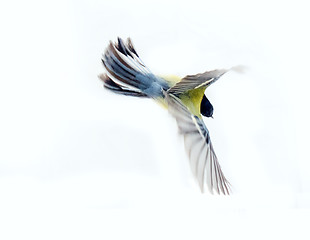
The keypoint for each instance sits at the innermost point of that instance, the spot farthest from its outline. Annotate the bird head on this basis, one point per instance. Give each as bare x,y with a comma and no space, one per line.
206,108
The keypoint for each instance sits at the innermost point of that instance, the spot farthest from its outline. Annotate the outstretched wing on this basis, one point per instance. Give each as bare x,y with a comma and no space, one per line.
199,80
203,160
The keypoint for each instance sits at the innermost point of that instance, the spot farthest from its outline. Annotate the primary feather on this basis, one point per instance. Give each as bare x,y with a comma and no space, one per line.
203,160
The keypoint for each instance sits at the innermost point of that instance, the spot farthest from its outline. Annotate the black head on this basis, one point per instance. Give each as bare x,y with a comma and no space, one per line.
206,108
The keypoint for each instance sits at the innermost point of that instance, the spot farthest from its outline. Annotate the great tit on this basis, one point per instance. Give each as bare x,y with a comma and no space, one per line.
183,97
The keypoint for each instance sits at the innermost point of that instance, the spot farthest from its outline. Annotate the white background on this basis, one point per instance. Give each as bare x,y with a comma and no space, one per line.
77,162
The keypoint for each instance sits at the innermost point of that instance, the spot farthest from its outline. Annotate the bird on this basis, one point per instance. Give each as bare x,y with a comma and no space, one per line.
185,100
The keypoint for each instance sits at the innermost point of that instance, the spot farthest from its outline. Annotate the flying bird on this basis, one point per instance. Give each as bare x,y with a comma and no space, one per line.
184,98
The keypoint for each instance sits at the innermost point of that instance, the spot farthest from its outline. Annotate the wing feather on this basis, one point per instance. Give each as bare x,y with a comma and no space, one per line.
191,82
203,161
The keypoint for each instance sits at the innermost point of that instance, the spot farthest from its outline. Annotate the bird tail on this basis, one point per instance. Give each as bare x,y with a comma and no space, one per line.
127,74
109,84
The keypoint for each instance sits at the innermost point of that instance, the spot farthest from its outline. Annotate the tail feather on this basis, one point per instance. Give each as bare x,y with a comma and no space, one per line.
118,69
123,48
131,47
126,69
108,83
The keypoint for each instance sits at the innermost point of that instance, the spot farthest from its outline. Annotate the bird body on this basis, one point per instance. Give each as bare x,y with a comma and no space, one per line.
183,97
192,98
172,79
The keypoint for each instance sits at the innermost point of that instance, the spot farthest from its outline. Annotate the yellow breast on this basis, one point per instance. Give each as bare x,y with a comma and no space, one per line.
192,98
